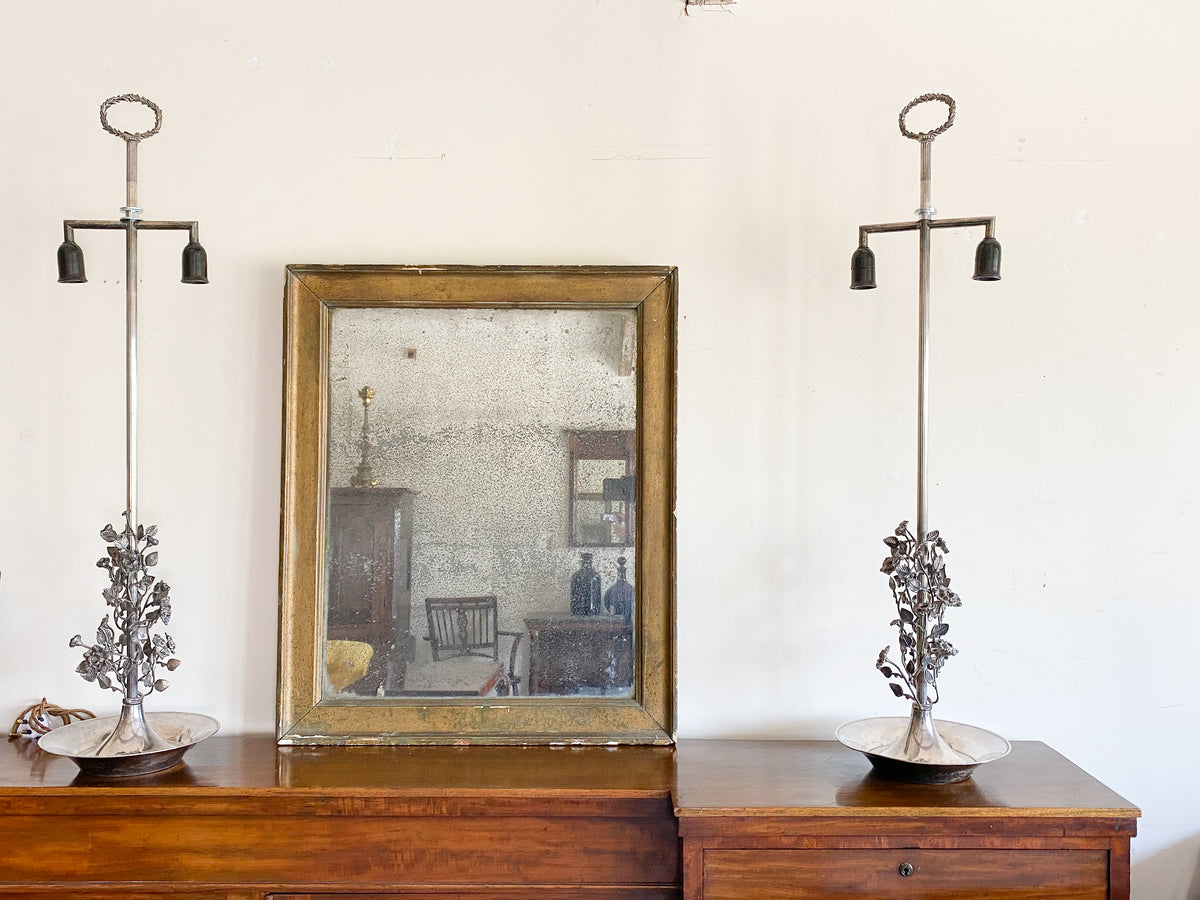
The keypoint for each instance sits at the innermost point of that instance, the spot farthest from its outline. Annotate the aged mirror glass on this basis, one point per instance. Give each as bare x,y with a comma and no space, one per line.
478,491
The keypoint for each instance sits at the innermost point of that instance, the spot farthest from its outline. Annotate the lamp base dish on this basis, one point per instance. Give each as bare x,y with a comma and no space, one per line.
84,743
880,739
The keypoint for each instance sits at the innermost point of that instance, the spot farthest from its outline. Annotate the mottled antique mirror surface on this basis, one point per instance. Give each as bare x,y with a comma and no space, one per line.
478,493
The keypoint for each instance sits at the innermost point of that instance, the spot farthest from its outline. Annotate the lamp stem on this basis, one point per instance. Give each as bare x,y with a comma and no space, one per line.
924,214
924,225
131,469
131,216
926,209
923,383
131,173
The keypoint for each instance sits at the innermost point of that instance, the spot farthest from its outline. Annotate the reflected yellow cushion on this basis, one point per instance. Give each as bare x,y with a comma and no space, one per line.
346,662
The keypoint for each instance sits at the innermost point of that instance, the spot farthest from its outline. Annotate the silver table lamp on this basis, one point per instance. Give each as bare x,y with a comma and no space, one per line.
916,748
126,656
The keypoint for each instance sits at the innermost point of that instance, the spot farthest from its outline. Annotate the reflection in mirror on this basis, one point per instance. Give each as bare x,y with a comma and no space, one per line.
471,453
602,487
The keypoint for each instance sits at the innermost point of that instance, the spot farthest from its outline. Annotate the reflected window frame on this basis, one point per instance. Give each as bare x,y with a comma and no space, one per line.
618,494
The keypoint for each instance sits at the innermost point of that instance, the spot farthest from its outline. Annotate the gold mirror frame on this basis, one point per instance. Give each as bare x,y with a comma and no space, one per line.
304,715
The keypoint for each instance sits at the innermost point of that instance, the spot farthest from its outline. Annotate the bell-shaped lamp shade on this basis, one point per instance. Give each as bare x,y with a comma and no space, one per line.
70,263
195,264
862,269
987,260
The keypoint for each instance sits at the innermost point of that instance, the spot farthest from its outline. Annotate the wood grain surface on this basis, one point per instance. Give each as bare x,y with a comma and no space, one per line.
243,819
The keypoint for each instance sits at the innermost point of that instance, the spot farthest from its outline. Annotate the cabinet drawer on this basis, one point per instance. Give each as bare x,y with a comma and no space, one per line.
175,892
933,874
580,892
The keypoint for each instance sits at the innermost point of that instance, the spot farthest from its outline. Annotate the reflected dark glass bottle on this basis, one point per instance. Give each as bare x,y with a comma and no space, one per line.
585,588
618,599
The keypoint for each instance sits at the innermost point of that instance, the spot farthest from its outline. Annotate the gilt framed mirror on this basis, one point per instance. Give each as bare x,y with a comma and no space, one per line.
478,505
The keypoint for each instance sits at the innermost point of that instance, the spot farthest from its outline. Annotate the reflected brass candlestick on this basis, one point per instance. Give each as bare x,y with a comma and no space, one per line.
363,477
125,656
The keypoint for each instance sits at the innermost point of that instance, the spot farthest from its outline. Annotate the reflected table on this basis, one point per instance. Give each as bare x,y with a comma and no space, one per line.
577,654
461,676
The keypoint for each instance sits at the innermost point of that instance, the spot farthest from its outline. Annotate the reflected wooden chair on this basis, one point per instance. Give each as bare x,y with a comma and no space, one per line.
466,626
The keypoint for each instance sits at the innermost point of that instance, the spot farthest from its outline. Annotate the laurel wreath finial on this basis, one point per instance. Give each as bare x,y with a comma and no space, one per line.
927,135
130,135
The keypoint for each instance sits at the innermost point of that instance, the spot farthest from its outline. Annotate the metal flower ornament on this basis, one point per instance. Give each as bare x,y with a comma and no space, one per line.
126,657
915,748
916,571
125,651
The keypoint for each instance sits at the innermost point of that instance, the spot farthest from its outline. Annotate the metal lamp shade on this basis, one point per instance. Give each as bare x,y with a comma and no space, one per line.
862,269
987,260
195,264
70,263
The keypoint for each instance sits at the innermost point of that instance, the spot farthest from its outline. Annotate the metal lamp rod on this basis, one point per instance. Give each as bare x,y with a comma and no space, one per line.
131,322
924,213
131,223
924,225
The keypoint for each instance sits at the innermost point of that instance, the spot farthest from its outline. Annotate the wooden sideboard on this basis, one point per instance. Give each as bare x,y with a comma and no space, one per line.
243,819
800,821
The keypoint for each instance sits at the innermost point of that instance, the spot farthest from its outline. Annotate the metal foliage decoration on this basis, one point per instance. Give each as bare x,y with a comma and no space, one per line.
916,571
125,653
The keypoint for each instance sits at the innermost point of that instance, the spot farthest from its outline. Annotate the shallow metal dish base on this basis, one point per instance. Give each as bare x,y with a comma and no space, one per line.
80,742
872,737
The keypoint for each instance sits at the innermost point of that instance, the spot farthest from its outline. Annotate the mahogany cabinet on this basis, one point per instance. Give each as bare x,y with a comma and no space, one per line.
807,820
242,819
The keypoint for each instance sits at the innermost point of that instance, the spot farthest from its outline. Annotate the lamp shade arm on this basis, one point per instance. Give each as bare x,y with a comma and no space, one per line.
883,228
988,223
141,225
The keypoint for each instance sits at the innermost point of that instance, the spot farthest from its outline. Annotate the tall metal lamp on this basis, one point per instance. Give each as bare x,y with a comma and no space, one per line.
126,657
915,748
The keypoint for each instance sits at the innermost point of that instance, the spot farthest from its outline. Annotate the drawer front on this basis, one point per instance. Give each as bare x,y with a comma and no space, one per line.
903,874
579,892
344,850
175,892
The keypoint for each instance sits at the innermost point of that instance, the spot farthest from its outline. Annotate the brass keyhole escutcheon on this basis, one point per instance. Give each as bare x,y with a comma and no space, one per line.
905,870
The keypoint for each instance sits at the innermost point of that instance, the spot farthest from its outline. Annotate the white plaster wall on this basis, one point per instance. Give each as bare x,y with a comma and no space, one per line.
745,147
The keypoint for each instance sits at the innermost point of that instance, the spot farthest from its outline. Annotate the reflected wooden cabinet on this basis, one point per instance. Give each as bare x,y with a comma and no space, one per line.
572,654
369,566
707,820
